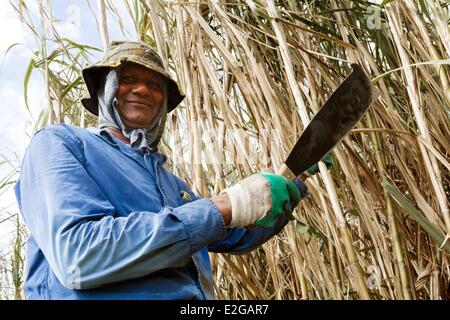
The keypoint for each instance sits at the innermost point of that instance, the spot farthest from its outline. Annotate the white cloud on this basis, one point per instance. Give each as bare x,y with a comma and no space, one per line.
69,25
13,140
13,29
14,113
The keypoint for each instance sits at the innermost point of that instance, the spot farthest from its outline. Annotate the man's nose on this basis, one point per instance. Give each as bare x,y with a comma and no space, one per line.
140,87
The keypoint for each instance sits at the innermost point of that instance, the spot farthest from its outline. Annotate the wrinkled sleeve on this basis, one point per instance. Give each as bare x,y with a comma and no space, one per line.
75,226
241,240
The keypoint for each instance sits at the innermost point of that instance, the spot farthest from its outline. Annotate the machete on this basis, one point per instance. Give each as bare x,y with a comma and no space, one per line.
340,113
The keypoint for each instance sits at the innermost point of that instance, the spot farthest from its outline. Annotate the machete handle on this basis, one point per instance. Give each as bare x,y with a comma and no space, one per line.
298,181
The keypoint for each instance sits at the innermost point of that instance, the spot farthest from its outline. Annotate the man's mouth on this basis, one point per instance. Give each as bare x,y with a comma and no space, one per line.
144,103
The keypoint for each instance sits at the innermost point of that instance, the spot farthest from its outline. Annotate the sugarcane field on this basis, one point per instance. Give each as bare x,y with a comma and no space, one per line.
225,150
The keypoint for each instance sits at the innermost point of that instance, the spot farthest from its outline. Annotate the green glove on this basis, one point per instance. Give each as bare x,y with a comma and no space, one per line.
285,197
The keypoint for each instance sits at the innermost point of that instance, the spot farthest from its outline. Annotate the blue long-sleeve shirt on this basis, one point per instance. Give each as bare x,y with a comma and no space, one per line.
109,222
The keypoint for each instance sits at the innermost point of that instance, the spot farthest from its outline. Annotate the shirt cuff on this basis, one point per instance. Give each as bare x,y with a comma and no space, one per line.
203,222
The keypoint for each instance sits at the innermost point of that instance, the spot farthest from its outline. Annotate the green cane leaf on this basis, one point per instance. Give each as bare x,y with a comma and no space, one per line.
300,227
416,215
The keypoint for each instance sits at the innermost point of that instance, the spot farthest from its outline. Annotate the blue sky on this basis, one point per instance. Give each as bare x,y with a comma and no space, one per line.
77,22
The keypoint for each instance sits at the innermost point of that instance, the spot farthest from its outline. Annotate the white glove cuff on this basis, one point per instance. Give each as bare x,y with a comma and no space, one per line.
250,200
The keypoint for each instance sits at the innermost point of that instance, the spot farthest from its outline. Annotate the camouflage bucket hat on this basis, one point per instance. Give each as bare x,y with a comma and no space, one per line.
117,53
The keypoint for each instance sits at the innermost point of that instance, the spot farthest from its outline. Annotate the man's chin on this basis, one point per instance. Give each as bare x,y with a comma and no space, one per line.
136,123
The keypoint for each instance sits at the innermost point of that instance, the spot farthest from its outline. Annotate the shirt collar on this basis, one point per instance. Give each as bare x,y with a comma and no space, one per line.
123,146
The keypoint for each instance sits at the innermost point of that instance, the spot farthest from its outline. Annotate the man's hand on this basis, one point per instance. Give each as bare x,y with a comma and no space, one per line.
285,197
260,198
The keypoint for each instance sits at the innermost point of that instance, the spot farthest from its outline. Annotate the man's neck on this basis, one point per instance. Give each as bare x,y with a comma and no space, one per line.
118,134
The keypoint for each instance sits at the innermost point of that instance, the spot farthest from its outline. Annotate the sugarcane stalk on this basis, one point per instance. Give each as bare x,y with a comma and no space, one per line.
44,31
348,243
395,237
431,163
103,24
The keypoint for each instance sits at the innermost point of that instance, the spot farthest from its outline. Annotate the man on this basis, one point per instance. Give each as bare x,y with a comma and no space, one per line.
108,221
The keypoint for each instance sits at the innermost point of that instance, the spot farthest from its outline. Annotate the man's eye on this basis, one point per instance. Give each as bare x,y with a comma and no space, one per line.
127,79
154,84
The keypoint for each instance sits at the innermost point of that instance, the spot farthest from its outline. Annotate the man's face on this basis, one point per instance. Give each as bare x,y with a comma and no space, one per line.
139,95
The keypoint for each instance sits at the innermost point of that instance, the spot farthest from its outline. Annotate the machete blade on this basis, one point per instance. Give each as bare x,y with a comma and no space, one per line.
340,113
